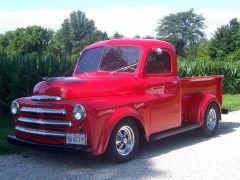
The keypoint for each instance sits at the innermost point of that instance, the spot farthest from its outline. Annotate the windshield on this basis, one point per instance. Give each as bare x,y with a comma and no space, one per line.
110,59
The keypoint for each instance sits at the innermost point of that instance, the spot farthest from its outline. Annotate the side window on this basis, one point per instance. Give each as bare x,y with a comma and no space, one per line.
158,63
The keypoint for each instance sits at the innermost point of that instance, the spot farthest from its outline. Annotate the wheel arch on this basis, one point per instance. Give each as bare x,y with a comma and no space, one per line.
199,105
118,116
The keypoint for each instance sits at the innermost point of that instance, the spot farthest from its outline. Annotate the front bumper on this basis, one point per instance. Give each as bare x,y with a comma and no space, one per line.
46,147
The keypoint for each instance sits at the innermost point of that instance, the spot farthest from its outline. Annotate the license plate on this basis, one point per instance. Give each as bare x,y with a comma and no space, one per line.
79,139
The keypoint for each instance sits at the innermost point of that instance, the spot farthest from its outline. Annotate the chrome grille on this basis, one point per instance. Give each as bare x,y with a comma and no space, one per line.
43,110
42,122
40,132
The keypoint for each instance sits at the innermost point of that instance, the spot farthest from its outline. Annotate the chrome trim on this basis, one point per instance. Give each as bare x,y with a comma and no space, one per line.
44,122
52,78
212,119
44,98
125,140
83,112
40,132
43,110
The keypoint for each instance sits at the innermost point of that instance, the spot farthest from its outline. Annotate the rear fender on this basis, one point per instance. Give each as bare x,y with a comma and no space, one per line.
199,105
117,116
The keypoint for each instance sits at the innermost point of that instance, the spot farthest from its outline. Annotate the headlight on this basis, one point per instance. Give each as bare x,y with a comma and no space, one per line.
14,107
79,112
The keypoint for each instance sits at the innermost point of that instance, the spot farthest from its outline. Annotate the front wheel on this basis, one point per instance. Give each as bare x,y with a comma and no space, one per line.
211,120
124,141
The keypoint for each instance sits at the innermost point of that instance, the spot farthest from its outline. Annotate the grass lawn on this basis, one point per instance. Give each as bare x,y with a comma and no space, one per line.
6,127
231,102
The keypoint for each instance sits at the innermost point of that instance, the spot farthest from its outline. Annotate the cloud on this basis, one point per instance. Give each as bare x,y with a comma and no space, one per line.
10,20
215,18
128,21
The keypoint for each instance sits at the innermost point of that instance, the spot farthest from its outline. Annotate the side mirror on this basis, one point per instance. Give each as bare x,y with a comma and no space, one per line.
158,51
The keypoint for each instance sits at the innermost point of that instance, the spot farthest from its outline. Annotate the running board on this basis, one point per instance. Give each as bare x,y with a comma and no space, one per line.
173,132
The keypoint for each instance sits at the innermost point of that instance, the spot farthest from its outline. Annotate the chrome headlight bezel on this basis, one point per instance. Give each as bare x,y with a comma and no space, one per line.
14,108
79,112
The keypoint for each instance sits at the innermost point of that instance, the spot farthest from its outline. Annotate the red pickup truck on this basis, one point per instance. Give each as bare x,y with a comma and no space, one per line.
121,92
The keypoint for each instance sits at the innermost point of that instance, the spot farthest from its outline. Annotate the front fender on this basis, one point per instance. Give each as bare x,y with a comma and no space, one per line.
114,119
199,105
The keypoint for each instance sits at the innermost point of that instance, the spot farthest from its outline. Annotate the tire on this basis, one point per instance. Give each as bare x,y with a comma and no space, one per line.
123,143
212,116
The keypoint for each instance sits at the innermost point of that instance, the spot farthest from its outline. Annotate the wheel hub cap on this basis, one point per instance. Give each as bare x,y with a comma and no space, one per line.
125,140
211,119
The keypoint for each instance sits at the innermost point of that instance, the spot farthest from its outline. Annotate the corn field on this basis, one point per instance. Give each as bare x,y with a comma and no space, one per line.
230,70
19,75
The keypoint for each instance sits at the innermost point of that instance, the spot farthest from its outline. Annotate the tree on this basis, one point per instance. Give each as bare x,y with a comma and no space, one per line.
137,36
183,29
32,39
92,38
76,32
198,52
117,35
225,43
148,37
73,30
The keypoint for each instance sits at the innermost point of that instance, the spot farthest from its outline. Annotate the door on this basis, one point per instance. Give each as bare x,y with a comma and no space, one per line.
163,91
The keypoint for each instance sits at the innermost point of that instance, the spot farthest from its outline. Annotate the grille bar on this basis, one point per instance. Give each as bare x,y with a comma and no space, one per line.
40,132
45,122
43,111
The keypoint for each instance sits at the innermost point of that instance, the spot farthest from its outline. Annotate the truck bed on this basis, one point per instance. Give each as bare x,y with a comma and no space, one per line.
191,86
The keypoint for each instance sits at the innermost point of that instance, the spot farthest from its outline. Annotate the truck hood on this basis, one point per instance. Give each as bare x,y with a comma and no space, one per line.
74,87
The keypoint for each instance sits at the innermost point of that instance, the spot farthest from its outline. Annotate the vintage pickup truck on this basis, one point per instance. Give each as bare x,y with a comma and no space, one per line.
121,92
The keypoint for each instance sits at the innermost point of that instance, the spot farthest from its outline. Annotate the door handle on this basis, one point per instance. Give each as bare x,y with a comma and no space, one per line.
155,90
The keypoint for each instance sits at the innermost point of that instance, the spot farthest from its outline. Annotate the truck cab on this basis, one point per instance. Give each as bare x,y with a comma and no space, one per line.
120,92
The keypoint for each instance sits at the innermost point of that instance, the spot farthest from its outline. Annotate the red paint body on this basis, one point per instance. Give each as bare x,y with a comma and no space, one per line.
158,102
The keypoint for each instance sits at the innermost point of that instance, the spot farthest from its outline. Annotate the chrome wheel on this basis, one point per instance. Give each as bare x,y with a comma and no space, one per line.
125,140
212,116
211,119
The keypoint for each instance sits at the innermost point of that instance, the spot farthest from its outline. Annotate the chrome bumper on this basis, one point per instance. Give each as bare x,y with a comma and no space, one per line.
46,147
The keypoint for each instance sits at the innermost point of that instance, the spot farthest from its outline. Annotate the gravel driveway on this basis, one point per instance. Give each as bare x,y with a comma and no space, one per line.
184,156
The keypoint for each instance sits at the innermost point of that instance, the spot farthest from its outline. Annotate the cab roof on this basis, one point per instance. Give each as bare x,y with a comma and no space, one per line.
142,43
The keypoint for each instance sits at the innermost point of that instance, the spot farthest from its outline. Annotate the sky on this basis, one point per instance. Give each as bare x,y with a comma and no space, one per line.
130,18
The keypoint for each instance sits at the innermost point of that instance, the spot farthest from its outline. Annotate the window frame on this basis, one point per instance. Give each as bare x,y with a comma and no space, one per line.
105,46
162,74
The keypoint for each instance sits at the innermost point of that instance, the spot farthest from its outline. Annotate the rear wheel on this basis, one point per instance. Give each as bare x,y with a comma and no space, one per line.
211,120
124,141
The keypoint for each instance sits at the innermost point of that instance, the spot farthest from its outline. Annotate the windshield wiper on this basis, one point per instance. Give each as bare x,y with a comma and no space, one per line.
124,68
